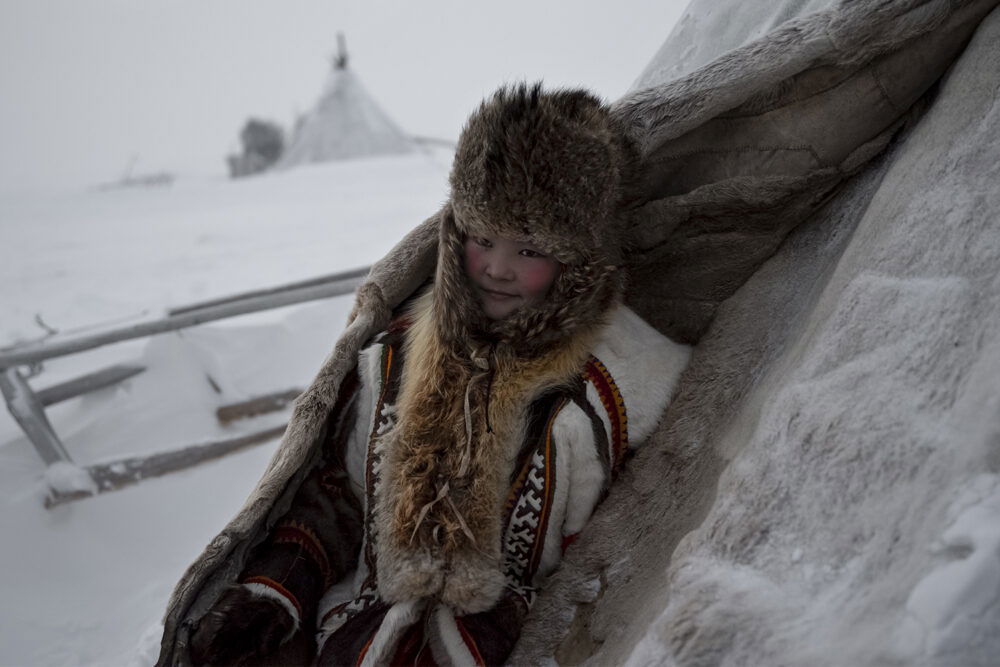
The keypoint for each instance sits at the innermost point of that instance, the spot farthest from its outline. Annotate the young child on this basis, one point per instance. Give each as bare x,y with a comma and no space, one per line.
483,426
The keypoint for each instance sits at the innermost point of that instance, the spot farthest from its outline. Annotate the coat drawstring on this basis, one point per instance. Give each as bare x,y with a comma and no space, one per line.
483,365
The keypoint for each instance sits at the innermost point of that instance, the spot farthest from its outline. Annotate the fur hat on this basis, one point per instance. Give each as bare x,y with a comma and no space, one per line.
551,169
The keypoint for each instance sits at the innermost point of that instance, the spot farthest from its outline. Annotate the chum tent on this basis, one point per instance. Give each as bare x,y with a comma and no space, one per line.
345,123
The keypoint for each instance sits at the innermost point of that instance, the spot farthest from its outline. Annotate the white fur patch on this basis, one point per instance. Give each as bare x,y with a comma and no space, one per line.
602,413
571,431
585,479
646,366
263,591
399,617
446,639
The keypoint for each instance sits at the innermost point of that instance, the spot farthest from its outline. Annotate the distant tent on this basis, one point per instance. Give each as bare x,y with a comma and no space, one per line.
345,123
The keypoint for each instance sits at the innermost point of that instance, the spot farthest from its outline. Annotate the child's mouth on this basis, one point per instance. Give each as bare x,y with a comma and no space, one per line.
501,296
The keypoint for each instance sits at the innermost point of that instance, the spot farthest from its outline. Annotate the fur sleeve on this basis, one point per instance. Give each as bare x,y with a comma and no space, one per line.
645,366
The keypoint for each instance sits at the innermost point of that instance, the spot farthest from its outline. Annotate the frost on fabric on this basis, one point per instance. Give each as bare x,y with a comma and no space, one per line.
67,478
956,606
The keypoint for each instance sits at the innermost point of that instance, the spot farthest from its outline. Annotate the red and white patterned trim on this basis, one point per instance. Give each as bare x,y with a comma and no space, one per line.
265,587
598,376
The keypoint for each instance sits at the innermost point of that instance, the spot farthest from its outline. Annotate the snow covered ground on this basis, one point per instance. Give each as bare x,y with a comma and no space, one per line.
86,583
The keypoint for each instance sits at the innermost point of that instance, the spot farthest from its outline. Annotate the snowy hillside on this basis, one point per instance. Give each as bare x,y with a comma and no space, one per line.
86,583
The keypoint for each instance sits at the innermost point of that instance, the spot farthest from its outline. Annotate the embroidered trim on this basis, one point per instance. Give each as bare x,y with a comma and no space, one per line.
293,532
530,500
382,422
611,398
338,615
548,490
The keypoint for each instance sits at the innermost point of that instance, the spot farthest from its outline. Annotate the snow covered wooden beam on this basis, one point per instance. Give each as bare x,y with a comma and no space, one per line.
256,406
312,282
87,383
29,412
53,347
435,141
117,474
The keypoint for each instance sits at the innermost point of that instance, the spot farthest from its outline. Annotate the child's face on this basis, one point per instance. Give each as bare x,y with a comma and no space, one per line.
508,274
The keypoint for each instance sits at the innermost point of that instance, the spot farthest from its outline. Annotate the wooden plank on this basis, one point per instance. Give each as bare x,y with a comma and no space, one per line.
256,406
118,474
312,282
87,383
434,141
23,404
51,348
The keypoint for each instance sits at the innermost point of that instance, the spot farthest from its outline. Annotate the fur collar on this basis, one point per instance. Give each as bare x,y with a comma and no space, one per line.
445,477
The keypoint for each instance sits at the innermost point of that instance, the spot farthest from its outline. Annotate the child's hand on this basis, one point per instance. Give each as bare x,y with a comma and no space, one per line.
239,626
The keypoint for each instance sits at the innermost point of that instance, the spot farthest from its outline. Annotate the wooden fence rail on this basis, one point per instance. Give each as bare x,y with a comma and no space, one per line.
91,382
28,407
56,347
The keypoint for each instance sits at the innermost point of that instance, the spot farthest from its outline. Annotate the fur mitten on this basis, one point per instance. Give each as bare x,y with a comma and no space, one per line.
242,625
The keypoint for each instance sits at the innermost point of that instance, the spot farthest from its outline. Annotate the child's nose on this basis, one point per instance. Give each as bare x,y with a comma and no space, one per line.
499,268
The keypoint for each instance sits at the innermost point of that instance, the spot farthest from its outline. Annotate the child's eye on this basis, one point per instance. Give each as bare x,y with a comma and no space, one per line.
531,253
480,241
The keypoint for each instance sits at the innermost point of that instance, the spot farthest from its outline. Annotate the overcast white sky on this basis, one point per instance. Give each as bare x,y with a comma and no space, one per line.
88,83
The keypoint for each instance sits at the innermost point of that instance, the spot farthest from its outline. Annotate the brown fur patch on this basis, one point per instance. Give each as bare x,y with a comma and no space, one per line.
461,531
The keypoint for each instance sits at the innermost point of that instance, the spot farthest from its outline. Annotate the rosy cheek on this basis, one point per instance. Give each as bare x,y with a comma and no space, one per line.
539,276
473,259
